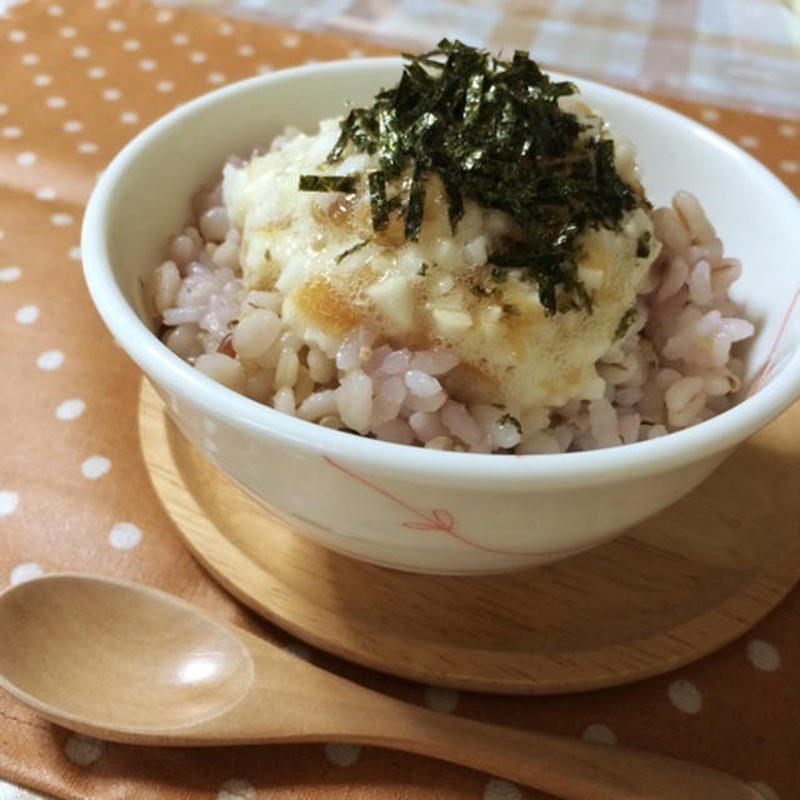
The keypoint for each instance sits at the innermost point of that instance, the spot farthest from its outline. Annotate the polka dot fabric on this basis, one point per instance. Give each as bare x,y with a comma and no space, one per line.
81,79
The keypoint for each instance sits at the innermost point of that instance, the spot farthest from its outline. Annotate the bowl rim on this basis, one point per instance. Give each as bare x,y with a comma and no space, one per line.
480,470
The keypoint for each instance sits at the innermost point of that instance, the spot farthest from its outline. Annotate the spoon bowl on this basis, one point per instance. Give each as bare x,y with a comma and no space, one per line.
129,663
110,654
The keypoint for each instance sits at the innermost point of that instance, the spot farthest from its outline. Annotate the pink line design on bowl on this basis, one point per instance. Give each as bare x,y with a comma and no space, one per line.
439,519
766,370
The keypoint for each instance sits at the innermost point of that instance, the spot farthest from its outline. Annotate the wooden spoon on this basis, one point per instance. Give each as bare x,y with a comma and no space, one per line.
129,663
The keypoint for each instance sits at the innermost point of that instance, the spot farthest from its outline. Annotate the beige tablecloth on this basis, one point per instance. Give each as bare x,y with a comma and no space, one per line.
78,80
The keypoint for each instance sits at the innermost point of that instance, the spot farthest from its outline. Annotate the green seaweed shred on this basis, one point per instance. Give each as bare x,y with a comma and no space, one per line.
643,245
509,419
350,250
492,130
625,322
378,201
328,183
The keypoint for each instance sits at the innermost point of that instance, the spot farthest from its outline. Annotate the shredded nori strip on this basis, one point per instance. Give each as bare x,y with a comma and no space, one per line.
492,130
509,419
416,200
357,246
328,183
643,245
377,199
625,322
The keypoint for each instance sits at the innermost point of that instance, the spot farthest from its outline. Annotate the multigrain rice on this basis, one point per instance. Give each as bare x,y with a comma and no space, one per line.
674,367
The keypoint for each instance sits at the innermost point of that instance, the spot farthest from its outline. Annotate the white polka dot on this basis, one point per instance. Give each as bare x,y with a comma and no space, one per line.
685,696
74,253
95,73
8,502
25,572
497,789
61,220
355,53
95,467
216,77
180,39
50,360
343,755
26,315
124,536
292,40
767,792
67,32
225,29
246,50
763,655
148,64
70,409
102,5
26,159
236,789
46,193
710,114
198,57
439,699
17,36
42,80
790,166
55,102
83,750
599,734
3,108
55,11
30,59
165,86
81,51
263,68
12,132
751,142
88,147
788,130
165,16
129,117
8,274
116,25
111,94
131,44
72,126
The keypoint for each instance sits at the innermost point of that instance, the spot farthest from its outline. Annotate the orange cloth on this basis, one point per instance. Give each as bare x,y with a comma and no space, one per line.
78,81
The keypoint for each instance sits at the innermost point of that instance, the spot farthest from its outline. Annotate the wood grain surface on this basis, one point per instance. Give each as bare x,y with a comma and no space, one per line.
165,674
669,591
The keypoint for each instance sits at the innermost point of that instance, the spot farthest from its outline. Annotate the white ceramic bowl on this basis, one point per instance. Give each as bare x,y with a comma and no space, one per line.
408,507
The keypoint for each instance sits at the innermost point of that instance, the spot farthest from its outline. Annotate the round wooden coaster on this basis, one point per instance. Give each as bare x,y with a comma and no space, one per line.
666,593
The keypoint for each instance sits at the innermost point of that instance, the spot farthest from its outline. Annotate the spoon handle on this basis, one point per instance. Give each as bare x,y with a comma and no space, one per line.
567,768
